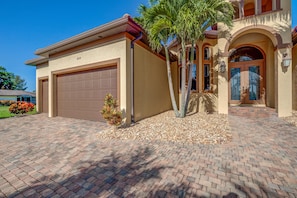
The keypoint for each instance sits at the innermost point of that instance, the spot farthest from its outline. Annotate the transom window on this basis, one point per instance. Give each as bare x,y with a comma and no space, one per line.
246,54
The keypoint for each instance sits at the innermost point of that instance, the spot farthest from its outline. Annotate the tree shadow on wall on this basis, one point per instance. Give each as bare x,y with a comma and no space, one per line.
116,175
202,102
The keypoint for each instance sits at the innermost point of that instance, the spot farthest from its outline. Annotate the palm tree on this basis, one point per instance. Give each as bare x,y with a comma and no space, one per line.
158,22
185,21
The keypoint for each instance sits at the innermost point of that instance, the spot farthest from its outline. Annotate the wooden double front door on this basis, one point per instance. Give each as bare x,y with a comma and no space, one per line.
247,82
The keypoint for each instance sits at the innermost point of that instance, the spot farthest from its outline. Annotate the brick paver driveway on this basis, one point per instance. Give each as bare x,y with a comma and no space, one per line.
60,157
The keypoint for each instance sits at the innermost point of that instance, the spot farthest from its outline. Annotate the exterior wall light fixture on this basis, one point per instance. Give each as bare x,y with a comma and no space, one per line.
286,60
222,66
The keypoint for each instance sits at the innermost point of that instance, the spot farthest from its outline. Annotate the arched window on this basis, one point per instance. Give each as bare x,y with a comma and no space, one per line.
246,54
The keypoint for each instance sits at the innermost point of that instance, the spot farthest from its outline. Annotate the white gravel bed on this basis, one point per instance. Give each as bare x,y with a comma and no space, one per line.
199,128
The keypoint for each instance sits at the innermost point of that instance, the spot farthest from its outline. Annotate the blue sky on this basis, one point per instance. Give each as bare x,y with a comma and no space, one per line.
28,25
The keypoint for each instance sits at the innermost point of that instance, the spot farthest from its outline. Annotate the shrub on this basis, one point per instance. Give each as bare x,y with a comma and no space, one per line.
21,107
7,102
110,111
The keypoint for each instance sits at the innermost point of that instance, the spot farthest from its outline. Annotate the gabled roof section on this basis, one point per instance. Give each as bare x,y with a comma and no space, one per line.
121,25
6,92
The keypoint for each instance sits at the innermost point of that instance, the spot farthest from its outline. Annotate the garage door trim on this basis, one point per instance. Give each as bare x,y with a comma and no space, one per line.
40,93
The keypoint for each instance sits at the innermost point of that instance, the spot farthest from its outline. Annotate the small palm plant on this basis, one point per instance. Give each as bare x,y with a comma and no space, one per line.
110,111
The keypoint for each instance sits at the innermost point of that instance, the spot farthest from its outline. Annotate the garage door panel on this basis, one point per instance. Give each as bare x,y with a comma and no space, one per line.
113,83
80,95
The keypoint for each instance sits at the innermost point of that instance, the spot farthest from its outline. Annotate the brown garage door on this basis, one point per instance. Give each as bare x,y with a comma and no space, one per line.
81,94
44,96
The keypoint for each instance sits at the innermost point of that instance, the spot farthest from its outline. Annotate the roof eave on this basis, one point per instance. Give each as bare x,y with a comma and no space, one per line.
36,61
211,34
125,22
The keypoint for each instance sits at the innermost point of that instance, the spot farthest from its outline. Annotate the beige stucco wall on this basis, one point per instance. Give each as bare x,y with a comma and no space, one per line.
223,39
203,102
294,68
103,52
175,74
151,92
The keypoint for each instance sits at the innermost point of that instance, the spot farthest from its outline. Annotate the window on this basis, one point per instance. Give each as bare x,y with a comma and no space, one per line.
206,77
246,54
206,68
206,53
194,69
244,8
249,8
189,53
266,5
194,78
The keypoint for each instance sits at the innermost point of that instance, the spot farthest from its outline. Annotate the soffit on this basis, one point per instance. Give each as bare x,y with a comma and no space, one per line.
36,61
124,24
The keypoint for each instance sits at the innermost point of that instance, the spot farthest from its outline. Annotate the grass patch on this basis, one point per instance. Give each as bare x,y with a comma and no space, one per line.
4,112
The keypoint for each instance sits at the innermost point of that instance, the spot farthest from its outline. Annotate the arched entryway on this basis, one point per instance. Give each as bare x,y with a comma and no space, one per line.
247,76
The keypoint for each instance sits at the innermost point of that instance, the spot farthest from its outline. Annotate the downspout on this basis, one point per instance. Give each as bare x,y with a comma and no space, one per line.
132,75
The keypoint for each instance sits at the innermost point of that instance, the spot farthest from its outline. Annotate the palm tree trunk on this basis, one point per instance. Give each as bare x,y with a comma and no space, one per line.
171,90
190,77
189,87
183,81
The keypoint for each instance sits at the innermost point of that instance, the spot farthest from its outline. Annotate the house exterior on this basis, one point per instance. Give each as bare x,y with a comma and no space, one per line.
74,75
17,95
244,65
248,64
262,29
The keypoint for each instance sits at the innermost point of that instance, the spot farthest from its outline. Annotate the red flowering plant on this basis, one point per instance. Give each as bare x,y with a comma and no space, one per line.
110,111
21,107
